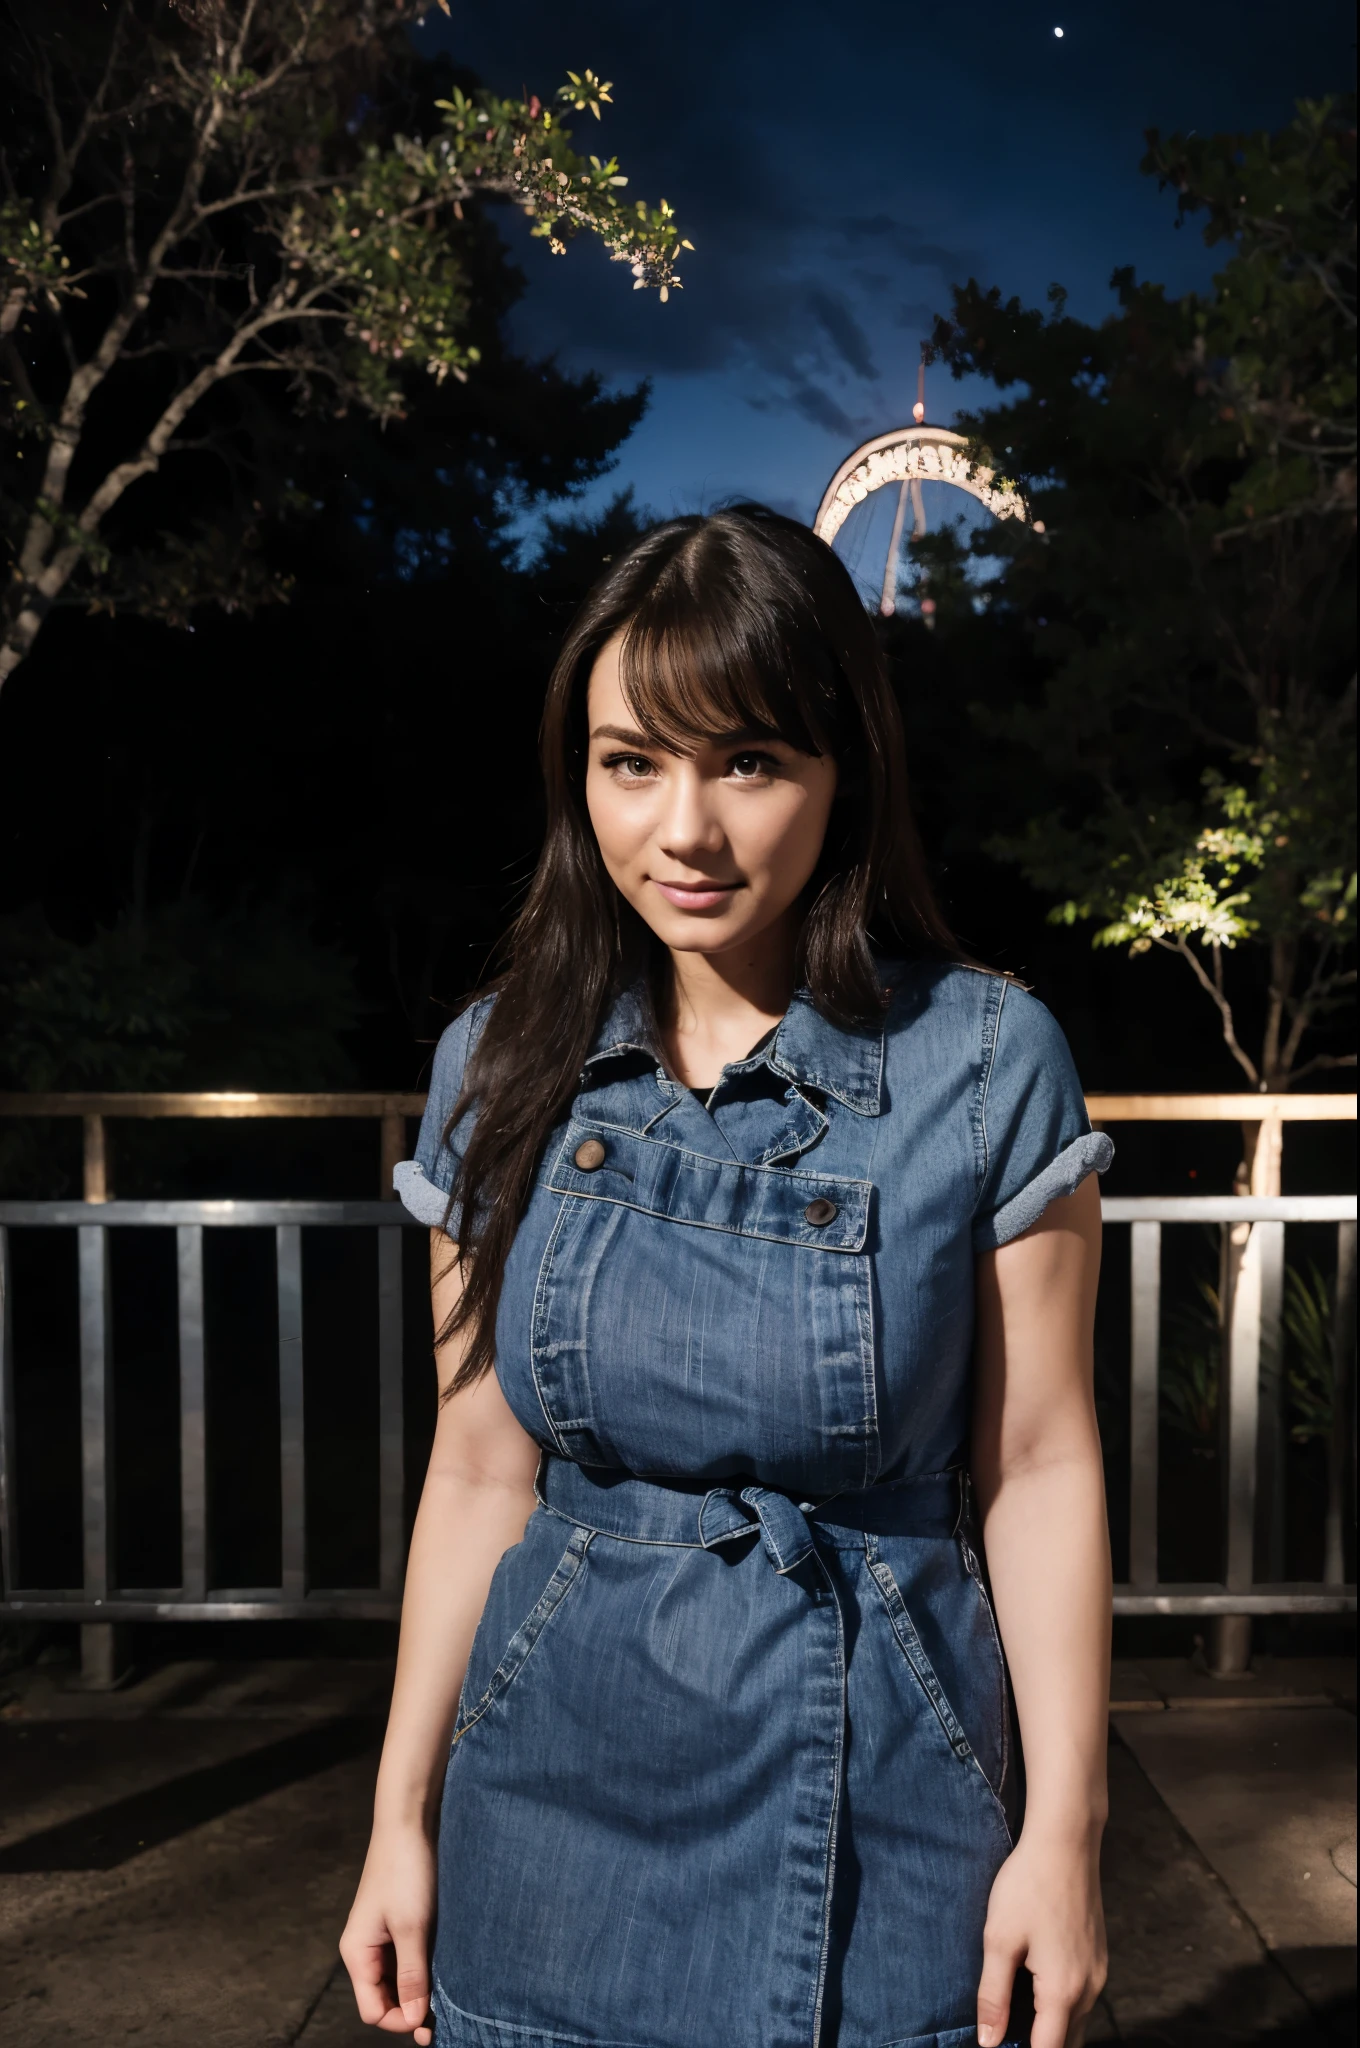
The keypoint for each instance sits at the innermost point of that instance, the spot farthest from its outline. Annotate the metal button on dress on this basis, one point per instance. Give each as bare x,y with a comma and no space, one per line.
818,1212
590,1155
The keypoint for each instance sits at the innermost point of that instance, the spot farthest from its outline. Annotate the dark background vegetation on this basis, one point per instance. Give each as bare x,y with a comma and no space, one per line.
275,851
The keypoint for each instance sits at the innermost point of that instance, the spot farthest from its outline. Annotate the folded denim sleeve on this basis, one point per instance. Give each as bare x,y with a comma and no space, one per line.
1037,1139
426,1182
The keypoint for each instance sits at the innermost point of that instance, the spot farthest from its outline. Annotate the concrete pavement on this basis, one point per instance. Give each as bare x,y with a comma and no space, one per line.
176,1859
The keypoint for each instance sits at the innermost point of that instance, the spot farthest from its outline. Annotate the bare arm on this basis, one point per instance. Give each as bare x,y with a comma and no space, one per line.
477,1497
1037,1469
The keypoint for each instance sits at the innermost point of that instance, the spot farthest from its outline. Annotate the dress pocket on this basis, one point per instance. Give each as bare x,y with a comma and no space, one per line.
913,1649
956,1618
473,1703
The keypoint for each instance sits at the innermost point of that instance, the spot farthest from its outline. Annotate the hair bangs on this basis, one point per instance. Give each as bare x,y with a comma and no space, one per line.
703,658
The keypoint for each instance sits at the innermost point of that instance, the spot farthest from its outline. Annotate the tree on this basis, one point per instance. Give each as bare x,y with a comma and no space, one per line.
1187,587
207,191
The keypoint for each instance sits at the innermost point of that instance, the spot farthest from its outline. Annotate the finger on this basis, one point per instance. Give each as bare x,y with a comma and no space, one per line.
1057,2016
367,1966
413,1974
999,1965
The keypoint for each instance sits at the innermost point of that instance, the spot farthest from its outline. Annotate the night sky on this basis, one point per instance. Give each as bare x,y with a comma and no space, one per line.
838,168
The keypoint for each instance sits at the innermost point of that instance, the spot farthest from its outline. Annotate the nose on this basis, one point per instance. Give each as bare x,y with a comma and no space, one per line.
691,831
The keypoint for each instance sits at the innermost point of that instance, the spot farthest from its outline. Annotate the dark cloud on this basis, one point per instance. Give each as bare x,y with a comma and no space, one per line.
847,337
819,407
908,245
818,157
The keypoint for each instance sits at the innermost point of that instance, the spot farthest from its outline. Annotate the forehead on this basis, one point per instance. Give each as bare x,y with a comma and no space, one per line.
661,709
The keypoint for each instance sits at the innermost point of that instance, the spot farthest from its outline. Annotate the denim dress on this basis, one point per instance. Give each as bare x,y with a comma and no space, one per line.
734,1762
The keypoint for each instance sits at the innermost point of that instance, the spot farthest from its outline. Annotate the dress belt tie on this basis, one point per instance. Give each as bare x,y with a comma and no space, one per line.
697,1515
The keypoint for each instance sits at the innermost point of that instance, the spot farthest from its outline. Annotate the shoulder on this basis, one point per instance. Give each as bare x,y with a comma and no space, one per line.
934,998
457,1043
981,1010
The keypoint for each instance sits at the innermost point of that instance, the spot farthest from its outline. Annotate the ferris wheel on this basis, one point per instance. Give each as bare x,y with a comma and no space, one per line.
909,457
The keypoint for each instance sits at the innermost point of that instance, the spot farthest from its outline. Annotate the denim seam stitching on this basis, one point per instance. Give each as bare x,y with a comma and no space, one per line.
703,1159
991,1038
904,1628
565,1575
649,1542
853,1251
538,1325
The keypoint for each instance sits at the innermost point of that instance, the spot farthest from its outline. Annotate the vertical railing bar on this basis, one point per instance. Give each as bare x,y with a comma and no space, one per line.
193,1458
1271,1477
1341,1439
9,1563
391,1446
95,1168
292,1447
1242,1394
95,1410
1145,1275
392,1148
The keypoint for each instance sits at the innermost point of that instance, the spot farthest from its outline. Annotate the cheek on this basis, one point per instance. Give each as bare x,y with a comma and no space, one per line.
786,839
618,824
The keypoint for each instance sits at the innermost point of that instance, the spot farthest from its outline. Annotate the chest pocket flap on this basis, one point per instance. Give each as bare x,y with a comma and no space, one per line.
823,1211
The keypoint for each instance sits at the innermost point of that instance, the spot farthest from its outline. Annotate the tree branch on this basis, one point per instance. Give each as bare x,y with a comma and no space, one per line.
1216,995
1321,1061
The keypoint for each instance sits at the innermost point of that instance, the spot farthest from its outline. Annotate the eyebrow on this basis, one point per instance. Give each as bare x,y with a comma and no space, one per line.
744,736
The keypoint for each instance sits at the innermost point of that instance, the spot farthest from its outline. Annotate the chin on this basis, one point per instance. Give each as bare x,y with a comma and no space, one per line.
696,934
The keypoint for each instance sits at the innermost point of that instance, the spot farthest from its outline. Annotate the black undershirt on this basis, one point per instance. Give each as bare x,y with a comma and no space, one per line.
701,1095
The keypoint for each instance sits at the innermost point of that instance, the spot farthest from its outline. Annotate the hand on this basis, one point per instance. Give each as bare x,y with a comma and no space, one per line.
386,1942
1044,1912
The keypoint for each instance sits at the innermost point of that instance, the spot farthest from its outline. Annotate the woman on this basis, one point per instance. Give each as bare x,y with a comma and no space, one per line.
783,1247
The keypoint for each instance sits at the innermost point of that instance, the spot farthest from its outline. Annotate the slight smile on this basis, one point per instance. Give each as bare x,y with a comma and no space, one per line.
697,895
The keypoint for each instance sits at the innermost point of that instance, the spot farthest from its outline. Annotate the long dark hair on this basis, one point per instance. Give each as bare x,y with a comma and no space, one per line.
741,621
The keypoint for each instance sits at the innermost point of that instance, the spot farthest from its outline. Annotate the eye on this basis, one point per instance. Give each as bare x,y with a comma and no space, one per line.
628,767
751,765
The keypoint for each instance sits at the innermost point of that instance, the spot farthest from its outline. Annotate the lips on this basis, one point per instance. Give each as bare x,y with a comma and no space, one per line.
697,896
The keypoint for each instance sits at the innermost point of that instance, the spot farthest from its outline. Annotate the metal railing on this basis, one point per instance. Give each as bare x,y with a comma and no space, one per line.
391,1111
1254,1337
101,1598
96,1111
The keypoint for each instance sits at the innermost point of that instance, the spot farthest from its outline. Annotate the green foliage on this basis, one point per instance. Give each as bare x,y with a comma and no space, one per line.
1187,586
939,573
175,997
1188,1379
205,192
1309,1321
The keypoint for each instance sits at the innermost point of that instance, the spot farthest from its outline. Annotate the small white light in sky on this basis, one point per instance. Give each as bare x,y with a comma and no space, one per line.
1058,33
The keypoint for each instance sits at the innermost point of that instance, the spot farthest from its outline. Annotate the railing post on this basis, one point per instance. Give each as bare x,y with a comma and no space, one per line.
9,1565
1341,1440
96,1167
393,1150
103,1647
292,1443
1145,1258
1255,1295
391,1426
1271,1474
193,1466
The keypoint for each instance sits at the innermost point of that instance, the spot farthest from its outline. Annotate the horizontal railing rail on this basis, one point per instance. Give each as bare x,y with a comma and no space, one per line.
389,1110
392,1109
1253,1342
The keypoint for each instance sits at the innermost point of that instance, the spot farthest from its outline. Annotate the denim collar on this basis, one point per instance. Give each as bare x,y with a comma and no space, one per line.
805,1048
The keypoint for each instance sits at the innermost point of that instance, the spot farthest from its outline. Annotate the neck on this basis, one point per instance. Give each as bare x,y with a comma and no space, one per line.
722,1003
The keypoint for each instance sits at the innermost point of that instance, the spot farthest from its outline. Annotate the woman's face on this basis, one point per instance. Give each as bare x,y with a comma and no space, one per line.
712,847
